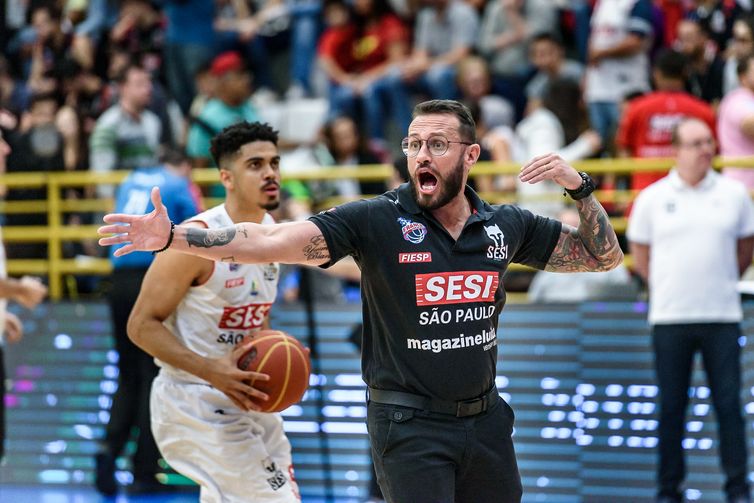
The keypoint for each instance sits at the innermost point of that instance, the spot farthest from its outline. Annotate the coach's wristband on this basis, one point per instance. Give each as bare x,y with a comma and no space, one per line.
586,188
170,239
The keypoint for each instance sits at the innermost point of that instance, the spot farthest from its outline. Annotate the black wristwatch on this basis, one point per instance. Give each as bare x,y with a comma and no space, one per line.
586,187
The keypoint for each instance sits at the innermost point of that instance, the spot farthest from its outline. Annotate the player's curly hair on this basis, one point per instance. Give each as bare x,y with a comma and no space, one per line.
229,141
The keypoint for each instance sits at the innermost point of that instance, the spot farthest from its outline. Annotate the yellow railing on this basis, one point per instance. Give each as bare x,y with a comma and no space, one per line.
55,267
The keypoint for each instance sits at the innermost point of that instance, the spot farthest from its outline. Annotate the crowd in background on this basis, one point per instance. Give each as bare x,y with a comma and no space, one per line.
119,84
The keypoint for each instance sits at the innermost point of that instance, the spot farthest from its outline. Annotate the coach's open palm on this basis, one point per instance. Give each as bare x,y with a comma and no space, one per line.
140,232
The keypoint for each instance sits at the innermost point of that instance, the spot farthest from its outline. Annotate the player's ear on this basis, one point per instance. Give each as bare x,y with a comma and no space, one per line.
226,178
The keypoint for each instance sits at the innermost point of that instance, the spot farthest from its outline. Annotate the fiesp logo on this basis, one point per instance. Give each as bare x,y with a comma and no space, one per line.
456,287
244,317
414,257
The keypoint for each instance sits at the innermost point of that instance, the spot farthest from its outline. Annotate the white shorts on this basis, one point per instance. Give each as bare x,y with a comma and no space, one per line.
235,456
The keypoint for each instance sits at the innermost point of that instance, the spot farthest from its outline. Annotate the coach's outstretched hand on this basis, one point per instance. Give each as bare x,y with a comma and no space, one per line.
140,232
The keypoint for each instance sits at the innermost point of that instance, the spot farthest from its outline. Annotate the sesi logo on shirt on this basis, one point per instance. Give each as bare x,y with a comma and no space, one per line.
456,287
499,251
244,317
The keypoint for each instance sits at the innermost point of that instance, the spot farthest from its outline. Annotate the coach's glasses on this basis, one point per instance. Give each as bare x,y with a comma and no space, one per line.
437,145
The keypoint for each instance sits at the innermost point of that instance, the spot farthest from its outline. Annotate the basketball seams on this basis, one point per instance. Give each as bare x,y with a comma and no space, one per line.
284,387
290,344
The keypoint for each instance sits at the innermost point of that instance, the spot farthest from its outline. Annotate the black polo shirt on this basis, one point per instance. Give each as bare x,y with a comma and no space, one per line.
431,303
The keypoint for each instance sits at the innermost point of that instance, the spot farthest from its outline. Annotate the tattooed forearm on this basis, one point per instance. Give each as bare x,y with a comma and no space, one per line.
206,238
316,249
242,230
592,247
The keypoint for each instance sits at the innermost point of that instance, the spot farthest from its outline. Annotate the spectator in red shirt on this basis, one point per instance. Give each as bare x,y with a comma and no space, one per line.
646,127
356,54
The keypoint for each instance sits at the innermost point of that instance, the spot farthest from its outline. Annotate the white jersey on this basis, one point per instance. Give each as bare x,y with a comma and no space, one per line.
236,299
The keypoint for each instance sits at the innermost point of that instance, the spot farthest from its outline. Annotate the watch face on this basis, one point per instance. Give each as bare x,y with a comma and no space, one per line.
587,180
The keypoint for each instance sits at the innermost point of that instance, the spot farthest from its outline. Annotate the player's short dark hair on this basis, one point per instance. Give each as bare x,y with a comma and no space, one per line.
467,126
672,64
229,141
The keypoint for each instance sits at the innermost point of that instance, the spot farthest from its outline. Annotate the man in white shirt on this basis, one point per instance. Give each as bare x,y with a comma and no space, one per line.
691,235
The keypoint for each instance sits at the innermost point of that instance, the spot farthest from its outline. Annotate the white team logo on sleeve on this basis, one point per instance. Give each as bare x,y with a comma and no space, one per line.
499,250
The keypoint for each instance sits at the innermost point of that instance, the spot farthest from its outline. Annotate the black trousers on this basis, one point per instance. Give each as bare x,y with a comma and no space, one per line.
426,457
674,348
137,370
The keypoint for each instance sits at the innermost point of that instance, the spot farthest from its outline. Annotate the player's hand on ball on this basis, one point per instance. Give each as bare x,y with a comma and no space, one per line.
286,361
237,384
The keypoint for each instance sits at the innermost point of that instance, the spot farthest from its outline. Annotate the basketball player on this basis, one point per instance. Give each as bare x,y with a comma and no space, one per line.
193,315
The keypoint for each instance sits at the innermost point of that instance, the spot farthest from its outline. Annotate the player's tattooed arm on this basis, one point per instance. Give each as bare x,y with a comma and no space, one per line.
592,247
206,238
316,249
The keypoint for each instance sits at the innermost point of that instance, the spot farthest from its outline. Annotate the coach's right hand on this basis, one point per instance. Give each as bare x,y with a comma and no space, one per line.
225,375
138,232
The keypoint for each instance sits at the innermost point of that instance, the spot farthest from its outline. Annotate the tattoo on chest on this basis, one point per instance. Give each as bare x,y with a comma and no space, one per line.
206,238
316,249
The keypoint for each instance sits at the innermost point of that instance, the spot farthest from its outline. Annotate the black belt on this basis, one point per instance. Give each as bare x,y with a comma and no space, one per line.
461,408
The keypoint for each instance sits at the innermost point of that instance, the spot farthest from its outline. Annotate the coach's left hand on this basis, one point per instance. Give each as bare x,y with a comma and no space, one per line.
550,167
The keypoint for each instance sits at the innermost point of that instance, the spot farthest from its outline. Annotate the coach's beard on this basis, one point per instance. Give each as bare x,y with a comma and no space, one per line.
449,189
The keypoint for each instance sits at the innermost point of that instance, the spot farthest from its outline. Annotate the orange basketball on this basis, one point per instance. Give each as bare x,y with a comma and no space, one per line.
287,363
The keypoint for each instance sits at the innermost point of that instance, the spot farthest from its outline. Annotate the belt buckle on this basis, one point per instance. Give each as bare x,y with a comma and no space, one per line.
471,407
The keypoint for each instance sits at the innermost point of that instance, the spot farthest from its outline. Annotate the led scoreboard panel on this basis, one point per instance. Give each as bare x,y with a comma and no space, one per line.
579,378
